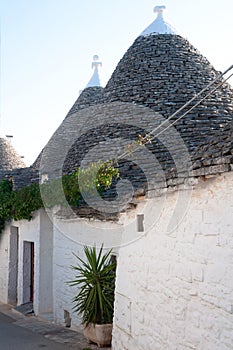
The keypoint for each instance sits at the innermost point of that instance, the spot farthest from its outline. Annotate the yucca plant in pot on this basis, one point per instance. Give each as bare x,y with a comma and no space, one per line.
95,298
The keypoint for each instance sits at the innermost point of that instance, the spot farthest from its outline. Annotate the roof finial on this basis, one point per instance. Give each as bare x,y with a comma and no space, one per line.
159,26
96,63
159,9
95,79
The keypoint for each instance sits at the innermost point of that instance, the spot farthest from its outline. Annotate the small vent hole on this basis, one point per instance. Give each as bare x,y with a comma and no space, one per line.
140,222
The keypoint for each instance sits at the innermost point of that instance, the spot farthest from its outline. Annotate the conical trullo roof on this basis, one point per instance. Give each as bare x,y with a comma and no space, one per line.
92,92
90,96
163,72
9,158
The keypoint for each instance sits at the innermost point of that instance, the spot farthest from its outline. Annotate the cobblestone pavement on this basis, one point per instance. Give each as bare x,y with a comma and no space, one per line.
49,330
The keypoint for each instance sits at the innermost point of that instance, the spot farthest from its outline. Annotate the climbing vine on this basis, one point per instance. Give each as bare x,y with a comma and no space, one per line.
6,199
21,204
97,176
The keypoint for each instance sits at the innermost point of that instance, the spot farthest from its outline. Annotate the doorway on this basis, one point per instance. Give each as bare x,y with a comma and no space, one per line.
13,266
28,272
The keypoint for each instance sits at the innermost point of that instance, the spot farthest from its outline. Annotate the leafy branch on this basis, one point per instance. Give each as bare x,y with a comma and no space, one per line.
21,204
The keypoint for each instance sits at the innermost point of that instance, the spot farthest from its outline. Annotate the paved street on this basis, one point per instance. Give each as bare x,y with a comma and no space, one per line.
19,332
14,337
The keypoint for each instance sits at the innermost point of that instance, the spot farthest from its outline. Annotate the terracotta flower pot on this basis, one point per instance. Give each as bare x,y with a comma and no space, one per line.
100,334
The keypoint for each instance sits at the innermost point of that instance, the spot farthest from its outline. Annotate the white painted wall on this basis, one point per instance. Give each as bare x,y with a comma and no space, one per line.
175,291
4,257
45,283
56,240
70,235
13,265
39,231
29,231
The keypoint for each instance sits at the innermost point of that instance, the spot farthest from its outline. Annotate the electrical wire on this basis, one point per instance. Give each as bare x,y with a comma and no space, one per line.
187,112
148,139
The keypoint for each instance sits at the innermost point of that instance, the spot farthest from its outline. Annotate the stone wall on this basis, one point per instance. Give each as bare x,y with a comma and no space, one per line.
9,159
21,177
4,261
13,271
29,231
164,163
70,236
160,73
89,97
163,72
174,290
45,275
156,76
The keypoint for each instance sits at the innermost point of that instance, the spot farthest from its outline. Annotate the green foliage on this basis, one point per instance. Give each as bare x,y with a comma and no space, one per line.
6,196
18,205
52,193
105,175
21,204
96,282
26,201
98,176
71,188
140,141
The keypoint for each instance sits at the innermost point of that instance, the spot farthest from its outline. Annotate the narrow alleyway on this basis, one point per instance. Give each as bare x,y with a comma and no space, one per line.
19,332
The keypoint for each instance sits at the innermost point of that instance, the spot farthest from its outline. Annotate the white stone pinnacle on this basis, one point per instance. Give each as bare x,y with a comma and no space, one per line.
95,79
159,9
96,63
159,26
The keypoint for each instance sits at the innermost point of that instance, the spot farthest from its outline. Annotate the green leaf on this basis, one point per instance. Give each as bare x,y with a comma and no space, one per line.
96,286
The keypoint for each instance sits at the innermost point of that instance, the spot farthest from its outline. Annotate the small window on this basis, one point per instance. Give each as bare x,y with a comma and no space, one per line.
140,222
114,258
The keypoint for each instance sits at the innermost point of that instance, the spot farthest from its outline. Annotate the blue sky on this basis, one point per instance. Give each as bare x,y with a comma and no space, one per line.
47,48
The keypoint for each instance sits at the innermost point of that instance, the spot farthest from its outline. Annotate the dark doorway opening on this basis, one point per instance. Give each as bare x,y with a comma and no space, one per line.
13,266
28,271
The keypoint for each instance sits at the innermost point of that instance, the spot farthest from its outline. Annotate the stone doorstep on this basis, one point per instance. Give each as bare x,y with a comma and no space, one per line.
25,309
51,331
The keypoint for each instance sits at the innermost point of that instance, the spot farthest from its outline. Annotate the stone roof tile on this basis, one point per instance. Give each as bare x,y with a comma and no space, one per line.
9,159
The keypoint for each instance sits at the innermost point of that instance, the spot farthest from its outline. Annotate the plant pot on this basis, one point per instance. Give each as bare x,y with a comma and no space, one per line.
100,334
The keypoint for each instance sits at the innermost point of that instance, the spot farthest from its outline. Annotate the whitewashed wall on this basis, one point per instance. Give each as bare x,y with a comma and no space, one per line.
70,236
4,261
45,271
40,232
175,291
26,231
29,232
